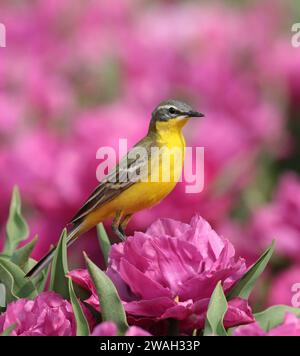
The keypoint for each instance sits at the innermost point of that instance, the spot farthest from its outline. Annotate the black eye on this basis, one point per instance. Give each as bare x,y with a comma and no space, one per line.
172,110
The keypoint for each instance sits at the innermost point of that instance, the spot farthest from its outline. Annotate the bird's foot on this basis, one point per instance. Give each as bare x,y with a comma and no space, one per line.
122,233
119,232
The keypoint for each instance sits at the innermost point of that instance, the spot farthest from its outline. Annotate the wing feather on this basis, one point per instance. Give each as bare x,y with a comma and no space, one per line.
117,180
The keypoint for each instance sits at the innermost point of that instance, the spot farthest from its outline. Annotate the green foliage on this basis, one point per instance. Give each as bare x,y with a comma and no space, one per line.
59,281
104,242
274,316
82,326
21,256
2,296
16,284
16,227
215,314
40,281
8,330
245,285
111,305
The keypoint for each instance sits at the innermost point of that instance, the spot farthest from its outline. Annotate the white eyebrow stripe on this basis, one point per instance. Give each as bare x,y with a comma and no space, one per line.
167,106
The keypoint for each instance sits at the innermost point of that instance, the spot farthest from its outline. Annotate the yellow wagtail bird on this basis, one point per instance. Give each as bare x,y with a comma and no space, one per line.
119,197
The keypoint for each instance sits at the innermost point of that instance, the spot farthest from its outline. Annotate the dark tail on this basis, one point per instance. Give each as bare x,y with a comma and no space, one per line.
47,259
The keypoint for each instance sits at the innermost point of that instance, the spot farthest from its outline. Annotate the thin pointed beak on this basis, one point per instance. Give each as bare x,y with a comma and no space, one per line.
195,114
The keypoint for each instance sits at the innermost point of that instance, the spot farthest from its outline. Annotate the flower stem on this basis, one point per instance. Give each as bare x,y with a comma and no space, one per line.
173,327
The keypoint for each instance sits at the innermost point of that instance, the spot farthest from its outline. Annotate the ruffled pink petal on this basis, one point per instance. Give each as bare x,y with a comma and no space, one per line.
149,308
178,312
107,328
140,284
249,330
289,327
167,227
136,331
203,285
238,313
82,278
177,261
47,315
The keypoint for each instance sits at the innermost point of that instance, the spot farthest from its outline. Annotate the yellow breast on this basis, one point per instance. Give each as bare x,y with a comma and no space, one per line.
171,143
171,148
164,171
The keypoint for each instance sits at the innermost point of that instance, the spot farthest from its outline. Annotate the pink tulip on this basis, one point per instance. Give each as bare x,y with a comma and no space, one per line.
285,288
170,272
280,219
289,327
109,328
47,315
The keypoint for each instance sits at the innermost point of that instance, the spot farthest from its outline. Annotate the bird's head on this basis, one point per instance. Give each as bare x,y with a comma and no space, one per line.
172,113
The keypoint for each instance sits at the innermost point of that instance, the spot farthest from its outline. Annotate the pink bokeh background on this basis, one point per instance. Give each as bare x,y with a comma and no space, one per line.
78,75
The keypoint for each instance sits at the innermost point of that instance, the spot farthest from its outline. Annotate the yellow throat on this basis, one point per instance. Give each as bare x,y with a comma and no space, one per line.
169,135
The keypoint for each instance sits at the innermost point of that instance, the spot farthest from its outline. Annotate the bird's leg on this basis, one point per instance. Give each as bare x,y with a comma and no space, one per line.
124,223
116,225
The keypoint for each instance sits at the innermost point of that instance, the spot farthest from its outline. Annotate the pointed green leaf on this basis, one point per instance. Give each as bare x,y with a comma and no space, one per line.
16,284
2,296
215,314
82,326
29,265
16,227
40,281
104,242
274,316
244,286
111,305
59,269
9,330
20,257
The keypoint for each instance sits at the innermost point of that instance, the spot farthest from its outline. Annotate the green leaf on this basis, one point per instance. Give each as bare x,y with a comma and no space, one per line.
40,281
16,284
21,256
16,227
59,281
2,295
111,305
274,316
244,286
215,314
9,330
104,242
29,265
82,326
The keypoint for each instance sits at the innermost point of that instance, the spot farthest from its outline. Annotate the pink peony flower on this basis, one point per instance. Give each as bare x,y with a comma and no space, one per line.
47,315
170,272
280,219
285,288
289,327
109,328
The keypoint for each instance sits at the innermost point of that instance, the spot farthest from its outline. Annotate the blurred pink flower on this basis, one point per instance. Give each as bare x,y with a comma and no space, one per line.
280,219
289,327
98,90
170,271
234,230
285,288
11,114
47,315
109,328
284,70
